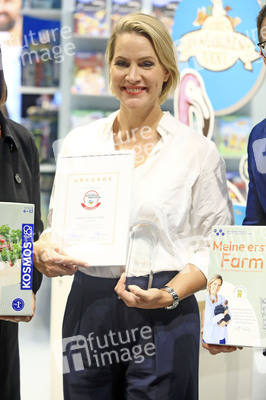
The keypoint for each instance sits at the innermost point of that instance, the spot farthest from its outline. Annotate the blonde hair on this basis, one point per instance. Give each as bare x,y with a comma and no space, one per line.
156,32
210,282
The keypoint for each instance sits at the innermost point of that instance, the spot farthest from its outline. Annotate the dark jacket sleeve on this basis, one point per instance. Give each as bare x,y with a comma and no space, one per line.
256,200
38,225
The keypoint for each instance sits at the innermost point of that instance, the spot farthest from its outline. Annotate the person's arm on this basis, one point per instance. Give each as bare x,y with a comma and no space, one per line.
185,283
38,227
255,214
52,261
36,200
210,205
48,258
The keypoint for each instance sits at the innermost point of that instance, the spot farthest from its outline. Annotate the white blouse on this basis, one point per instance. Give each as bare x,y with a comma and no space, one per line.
181,187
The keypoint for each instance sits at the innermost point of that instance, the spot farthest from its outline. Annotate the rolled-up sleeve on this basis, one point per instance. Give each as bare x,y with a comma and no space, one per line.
211,205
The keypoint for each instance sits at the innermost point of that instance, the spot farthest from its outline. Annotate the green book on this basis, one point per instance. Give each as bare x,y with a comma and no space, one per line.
16,248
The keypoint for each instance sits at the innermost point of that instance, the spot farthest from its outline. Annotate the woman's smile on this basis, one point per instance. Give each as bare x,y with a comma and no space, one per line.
136,74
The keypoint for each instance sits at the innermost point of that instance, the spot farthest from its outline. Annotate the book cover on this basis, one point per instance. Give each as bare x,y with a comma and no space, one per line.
88,76
16,246
90,18
233,133
165,11
235,309
120,8
42,52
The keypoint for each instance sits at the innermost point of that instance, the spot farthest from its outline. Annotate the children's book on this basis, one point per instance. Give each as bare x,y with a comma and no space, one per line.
233,133
41,53
88,73
165,11
235,309
120,8
16,247
90,18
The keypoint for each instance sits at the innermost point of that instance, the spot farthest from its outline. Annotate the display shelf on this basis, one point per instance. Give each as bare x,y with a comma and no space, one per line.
45,13
44,125
38,90
47,168
86,43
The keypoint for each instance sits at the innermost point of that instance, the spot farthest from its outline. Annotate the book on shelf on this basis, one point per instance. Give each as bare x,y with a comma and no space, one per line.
235,310
41,53
46,4
88,75
90,18
120,8
42,121
84,117
233,133
165,11
16,246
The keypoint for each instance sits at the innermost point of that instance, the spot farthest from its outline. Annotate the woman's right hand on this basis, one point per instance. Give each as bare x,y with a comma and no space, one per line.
52,261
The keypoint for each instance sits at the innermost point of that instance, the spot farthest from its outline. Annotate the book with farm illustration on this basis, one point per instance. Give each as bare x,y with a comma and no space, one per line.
16,247
235,309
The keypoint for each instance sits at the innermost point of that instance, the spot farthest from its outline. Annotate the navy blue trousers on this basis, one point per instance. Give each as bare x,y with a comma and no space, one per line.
112,352
9,361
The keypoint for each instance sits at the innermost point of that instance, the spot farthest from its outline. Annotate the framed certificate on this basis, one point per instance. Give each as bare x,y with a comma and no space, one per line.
92,204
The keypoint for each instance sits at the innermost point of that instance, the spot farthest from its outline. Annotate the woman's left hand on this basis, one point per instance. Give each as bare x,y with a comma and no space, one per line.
217,349
137,297
21,318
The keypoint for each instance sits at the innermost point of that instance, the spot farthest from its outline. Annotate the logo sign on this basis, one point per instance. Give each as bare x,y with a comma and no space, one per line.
219,41
26,256
91,200
18,304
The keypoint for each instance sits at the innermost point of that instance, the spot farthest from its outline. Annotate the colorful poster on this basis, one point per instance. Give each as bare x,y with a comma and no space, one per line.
218,40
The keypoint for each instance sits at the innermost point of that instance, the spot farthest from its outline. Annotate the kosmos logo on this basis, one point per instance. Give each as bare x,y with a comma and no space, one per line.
26,256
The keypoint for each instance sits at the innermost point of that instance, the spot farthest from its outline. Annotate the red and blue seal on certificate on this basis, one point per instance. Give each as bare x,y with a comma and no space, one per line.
91,200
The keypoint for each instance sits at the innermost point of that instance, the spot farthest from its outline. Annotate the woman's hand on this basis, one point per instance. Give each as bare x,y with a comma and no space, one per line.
53,261
20,318
216,349
137,297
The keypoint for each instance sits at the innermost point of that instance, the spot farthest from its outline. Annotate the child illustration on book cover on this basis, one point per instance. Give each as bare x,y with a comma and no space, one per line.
217,313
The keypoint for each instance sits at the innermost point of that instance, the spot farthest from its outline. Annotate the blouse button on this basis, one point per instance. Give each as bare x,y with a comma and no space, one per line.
18,178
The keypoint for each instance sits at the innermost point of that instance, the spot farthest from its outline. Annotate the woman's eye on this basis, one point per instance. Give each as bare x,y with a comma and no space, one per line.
121,63
147,64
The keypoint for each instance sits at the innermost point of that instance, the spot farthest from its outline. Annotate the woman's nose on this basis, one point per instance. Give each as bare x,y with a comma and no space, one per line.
133,73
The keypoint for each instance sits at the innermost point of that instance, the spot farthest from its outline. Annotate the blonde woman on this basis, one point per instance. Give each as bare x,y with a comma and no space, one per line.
145,345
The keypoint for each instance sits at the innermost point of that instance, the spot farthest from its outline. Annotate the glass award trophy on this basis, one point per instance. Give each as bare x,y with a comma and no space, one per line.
141,254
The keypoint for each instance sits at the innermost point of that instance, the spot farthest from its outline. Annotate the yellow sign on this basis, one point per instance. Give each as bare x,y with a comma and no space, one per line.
217,46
